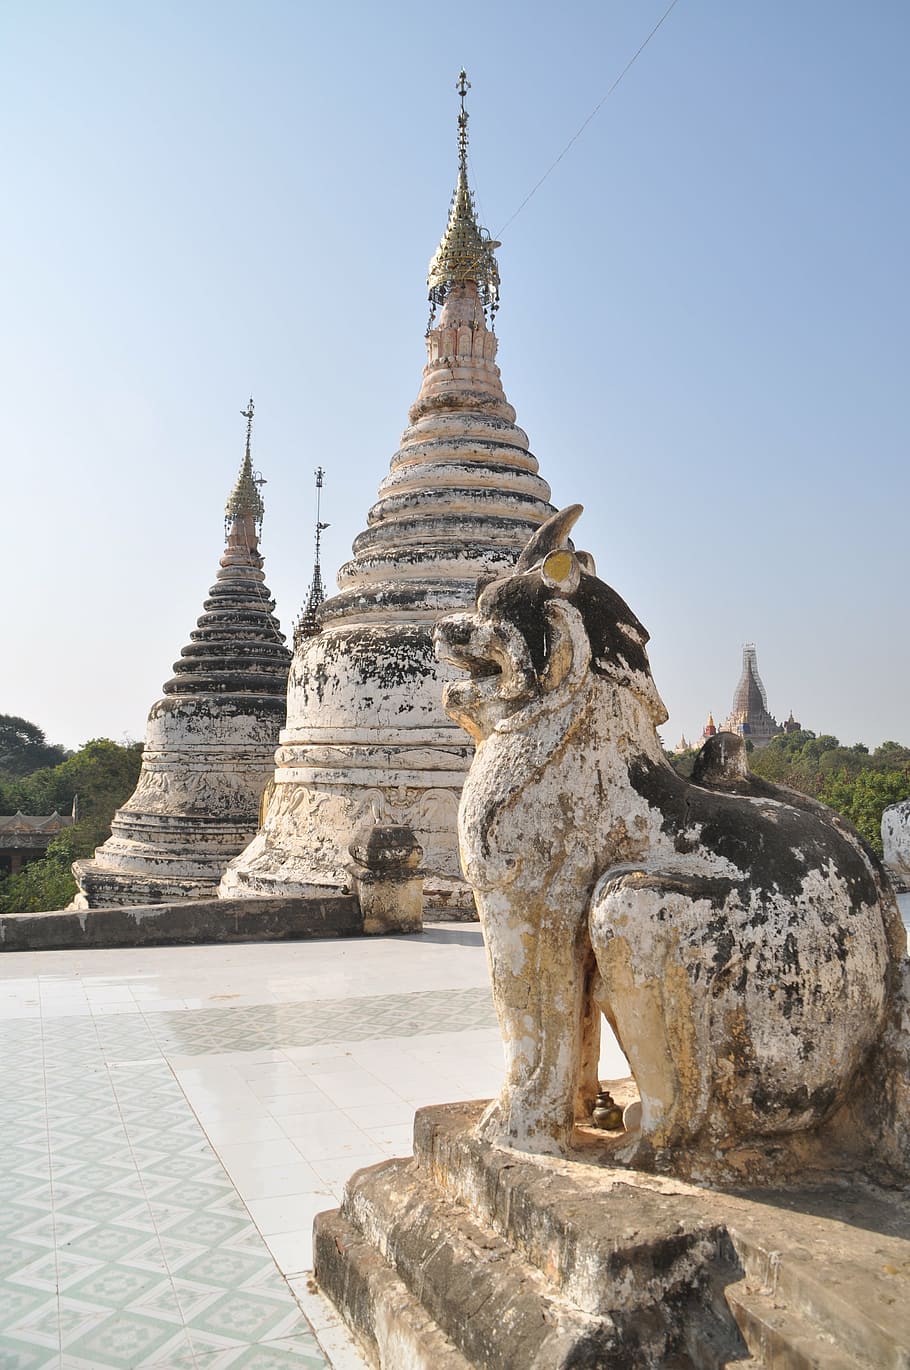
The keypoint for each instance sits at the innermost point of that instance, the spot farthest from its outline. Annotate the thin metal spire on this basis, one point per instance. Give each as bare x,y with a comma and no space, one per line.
248,415
307,624
464,85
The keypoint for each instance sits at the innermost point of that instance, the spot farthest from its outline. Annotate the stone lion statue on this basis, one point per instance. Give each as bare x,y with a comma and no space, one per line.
740,939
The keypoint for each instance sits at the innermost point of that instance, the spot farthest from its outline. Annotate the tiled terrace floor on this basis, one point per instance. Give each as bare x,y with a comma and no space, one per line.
172,1118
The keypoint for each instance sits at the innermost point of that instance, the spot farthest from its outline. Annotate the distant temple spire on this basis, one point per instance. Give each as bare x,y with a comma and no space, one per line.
466,250
308,623
749,715
245,500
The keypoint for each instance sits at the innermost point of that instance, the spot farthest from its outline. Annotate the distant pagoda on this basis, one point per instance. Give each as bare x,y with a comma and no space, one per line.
210,741
366,734
749,715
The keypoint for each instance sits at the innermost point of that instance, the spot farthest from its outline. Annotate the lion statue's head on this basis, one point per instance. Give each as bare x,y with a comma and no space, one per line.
538,634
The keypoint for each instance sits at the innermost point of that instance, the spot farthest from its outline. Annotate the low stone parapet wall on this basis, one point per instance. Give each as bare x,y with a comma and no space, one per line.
185,922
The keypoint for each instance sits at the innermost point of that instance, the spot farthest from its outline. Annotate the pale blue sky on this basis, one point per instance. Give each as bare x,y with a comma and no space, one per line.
704,322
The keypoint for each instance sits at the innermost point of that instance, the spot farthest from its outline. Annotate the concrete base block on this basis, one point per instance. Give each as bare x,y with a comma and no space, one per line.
469,1255
197,920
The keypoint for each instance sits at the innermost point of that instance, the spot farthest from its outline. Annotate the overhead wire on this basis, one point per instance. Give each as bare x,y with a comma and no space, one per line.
575,137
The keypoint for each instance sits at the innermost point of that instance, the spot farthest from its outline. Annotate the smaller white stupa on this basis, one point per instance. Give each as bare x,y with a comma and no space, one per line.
210,741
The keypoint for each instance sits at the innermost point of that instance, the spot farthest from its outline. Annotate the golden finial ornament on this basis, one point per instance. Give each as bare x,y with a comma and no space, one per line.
246,496
466,250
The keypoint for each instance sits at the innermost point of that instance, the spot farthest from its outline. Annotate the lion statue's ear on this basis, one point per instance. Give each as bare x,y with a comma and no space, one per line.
561,572
549,537
568,648
586,562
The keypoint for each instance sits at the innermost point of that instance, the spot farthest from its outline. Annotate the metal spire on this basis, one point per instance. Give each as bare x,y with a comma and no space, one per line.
307,624
464,85
246,496
466,250
248,415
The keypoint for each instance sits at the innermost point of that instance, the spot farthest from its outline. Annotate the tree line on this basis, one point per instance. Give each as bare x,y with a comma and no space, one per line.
37,777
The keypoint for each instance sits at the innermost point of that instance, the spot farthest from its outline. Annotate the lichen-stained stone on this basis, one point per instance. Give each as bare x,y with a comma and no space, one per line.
741,940
209,742
365,724
896,842
469,1256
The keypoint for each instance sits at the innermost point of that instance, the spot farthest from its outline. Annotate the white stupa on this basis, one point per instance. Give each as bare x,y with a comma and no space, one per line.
366,736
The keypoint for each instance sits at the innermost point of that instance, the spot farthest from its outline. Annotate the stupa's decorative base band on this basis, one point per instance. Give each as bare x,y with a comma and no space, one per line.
471,1255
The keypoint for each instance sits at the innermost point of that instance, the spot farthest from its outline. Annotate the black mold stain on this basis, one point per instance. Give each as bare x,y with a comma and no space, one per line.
615,633
773,841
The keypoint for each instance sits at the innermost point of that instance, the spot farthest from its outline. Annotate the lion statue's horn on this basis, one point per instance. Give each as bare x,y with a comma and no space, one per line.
550,536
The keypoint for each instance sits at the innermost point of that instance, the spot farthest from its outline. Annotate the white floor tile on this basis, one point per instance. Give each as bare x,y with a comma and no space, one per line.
277,1181
321,1135
337,1170
290,1212
254,1155
293,1251
287,1105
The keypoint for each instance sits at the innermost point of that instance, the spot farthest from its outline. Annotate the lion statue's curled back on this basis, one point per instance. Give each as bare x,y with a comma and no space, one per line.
739,938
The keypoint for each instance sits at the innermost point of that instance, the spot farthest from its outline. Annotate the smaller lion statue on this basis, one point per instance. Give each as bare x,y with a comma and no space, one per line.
739,938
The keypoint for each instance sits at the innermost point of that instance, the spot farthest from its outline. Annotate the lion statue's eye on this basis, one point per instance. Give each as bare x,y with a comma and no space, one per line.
558,565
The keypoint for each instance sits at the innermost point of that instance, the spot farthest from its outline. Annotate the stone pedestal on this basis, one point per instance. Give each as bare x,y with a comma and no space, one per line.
469,1255
387,880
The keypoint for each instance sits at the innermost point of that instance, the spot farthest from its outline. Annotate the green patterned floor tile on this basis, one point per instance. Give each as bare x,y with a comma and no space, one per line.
126,1341
17,1304
104,1206
205,1228
227,1268
16,1253
19,1355
116,1286
300,1352
109,1243
247,1316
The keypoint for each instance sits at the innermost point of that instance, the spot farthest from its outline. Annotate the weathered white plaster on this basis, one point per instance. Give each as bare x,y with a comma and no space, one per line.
364,719
896,842
209,744
738,939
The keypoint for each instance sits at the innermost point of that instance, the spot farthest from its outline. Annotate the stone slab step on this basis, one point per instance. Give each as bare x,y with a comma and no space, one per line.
499,1310
837,1255
525,1262
601,1240
390,1325
829,1259
780,1340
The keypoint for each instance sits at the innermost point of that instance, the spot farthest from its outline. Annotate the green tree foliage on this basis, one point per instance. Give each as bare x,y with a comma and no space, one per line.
24,747
103,774
863,798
